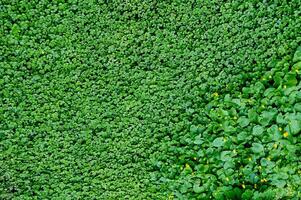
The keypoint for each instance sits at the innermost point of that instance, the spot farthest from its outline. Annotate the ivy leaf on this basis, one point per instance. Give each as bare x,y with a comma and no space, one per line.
238,103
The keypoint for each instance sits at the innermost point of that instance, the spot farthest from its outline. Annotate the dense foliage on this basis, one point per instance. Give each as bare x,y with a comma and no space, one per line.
247,144
149,99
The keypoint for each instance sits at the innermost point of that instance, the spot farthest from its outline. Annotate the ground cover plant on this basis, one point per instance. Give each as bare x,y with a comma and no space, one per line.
150,99
247,145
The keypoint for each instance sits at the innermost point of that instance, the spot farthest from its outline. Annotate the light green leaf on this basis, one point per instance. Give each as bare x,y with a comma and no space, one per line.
243,121
274,133
259,87
226,155
257,130
280,119
185,187
297,67
218,142
257,148
197,188
278,183
252,115
297,107
242,136
227,127
295,126
198,140
297,55
269,92
266,117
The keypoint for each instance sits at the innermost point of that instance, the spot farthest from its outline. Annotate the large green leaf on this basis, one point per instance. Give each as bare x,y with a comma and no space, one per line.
266,117
295,126
218,142
197,188
274,132
259,87
226,155
257,130
243,121
257,148
244,136
278,183
297,107
297,55
252,115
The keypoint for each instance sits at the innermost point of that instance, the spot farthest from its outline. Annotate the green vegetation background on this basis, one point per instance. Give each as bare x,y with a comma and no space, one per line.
112,99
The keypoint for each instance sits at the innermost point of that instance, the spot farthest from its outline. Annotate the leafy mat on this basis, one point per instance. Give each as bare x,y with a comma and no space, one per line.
149,99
